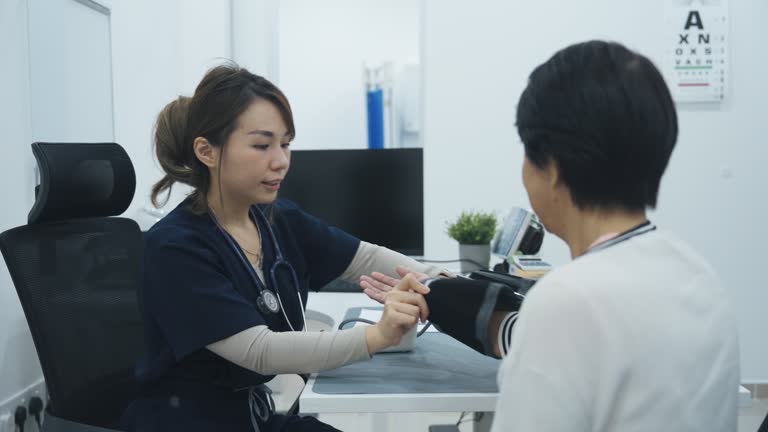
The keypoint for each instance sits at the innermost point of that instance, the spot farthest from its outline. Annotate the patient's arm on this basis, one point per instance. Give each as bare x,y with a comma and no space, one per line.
493,331
463,306
500,332
478,313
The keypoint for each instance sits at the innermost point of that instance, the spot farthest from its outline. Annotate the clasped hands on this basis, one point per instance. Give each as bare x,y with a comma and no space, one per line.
404,305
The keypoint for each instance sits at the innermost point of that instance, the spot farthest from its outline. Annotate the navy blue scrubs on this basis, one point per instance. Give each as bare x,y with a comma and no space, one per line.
197,291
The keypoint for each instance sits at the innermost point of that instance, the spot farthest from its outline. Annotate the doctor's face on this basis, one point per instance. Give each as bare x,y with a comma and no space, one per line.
257,155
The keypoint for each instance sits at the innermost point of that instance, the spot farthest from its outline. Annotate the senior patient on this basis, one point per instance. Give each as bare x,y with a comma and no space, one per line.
636,333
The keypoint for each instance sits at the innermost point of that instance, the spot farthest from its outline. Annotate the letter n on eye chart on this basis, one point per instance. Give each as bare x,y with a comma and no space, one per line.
697,49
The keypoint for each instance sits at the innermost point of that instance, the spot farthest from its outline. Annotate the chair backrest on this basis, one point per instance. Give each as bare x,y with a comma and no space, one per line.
76,272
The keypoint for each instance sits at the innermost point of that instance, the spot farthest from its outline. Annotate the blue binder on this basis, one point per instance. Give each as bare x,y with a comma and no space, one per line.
375,119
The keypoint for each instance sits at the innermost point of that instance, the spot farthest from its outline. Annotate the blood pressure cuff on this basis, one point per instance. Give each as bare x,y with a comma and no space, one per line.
462,308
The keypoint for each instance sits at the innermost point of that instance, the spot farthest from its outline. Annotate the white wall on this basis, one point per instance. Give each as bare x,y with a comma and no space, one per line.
18,361
476,58
159,50
70,72
146,76
204,38
179,40
255,36
322,47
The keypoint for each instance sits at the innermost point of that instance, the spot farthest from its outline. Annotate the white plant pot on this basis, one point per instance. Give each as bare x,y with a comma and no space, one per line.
474,257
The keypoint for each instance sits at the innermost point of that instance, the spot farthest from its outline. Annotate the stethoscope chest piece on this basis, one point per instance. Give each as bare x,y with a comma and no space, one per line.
268,303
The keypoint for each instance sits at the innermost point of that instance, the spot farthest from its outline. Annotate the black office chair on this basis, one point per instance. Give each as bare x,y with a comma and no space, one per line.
76,271
764,426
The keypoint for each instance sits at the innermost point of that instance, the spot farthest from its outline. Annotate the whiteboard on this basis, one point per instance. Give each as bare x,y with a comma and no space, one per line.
70,57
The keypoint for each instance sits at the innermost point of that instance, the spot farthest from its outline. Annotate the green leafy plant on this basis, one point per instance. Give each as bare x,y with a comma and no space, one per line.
473,227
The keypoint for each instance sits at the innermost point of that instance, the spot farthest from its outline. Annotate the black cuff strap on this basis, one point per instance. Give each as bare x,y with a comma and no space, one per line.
462,308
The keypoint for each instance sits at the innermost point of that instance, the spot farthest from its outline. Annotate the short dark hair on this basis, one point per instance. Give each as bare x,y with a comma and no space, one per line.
605,116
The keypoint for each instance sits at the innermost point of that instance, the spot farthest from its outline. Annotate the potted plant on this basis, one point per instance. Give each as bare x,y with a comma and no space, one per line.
474,232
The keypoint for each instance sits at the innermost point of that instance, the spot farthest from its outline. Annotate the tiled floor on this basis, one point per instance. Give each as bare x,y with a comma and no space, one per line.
400,422
750,419
759,391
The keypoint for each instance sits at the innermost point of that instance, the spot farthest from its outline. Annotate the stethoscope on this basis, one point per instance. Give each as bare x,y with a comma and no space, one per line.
268,302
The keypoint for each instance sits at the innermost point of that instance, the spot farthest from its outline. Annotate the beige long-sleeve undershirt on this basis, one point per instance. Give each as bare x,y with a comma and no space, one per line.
266,352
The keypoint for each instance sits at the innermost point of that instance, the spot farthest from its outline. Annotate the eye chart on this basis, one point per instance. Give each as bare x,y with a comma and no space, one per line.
697,41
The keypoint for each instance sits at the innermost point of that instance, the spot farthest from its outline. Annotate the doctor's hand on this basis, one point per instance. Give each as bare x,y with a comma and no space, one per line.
404,305
377,285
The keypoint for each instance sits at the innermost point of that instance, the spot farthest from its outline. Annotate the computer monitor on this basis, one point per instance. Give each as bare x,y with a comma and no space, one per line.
375,195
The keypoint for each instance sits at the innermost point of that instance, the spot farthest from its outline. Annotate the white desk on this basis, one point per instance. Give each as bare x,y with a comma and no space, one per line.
336,305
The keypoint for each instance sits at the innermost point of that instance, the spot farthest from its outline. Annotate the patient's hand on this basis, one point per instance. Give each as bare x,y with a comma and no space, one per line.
378,284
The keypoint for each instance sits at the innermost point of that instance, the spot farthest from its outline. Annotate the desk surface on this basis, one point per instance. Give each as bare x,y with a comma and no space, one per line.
336,305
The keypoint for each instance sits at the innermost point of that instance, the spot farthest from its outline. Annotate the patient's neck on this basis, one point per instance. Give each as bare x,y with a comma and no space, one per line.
584,227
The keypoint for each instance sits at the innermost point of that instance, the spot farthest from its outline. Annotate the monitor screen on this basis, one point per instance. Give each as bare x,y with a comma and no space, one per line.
375,195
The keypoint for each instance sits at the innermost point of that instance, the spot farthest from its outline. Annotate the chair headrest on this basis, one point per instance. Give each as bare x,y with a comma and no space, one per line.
81,181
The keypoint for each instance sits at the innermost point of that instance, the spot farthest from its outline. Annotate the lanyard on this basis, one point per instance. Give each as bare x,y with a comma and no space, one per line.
643,228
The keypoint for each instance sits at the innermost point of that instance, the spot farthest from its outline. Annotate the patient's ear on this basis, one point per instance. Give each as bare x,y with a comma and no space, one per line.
206,153
552,174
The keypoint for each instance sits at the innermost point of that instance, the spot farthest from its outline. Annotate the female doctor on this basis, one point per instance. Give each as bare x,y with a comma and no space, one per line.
226,273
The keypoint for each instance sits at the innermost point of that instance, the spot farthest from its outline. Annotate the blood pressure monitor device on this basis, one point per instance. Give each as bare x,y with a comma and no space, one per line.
521,233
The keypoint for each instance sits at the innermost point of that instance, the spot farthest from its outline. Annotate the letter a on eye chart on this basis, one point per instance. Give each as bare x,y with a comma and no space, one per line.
697,49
